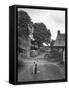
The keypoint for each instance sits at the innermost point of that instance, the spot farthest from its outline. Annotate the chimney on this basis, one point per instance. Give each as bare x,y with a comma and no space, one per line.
58,32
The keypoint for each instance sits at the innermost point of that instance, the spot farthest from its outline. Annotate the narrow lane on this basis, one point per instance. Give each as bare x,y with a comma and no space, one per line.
48,71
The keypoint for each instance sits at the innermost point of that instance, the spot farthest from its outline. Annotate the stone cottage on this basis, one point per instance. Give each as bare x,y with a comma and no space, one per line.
60,44
24,43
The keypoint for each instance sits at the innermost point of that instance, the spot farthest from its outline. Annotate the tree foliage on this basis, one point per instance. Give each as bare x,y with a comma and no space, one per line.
23,21
52,43
41,33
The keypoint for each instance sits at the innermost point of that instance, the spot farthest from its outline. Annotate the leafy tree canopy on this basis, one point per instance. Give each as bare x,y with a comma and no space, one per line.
41,33
23,21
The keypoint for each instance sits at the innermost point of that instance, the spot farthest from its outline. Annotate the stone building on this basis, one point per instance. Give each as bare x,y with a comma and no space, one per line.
60,44
24,43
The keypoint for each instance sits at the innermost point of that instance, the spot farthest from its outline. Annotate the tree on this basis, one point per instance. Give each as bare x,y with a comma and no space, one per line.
23,21
52,43
41,33
23,32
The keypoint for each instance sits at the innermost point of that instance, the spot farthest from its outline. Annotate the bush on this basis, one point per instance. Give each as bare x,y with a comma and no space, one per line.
20,64
53,55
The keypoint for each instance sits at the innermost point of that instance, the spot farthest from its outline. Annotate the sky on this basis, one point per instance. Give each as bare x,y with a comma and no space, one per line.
53,19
